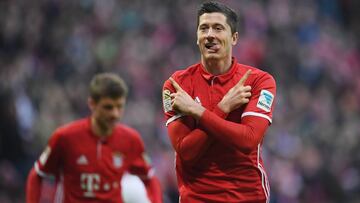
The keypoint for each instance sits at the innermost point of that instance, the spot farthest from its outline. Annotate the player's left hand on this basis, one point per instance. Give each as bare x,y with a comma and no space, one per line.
183,103
237,95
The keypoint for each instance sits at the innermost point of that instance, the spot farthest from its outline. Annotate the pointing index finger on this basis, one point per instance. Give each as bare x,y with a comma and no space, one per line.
175,84
244,77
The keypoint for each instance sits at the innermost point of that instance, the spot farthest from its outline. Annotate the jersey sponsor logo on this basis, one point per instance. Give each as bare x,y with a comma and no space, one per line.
45,155
90,182
167,101
82,160
117,159
265,101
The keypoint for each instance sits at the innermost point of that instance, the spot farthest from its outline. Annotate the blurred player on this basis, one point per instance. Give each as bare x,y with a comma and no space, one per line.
88,157
217,113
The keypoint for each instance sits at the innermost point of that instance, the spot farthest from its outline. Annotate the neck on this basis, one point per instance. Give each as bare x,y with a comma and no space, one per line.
217,67
99,130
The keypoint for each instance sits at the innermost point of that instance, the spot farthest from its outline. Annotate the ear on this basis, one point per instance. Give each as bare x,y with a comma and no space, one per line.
91,104
235,38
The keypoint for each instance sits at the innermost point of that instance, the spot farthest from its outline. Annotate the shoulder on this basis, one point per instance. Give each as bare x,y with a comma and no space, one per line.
184,76
73,128
257,77
127,132
185,73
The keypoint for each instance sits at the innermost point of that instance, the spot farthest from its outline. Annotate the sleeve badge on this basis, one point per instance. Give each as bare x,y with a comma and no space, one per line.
265,101
167,100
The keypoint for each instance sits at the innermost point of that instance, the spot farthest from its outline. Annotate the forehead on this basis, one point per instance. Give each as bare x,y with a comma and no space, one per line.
111,101
212,18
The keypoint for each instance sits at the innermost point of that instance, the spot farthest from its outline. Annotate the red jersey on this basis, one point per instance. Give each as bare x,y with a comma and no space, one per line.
90,168
222,173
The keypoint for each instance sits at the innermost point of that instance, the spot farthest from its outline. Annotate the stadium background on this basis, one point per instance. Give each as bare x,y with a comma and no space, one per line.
49,49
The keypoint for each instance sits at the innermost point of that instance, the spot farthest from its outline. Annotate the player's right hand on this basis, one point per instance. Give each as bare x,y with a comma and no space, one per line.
182,102
236,96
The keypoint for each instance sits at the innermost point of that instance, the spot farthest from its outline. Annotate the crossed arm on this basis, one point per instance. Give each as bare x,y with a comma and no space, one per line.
191,141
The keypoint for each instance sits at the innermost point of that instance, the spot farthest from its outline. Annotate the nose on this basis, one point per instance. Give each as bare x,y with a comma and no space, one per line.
115,113
210,33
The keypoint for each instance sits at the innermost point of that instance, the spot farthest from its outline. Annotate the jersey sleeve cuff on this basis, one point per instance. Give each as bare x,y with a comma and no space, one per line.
173,118
250,113
220,112
40,172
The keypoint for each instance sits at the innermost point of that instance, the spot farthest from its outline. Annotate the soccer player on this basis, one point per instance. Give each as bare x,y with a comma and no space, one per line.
217,113
88,157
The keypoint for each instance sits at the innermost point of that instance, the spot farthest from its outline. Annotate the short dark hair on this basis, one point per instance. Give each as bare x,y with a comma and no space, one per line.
213,7
107,85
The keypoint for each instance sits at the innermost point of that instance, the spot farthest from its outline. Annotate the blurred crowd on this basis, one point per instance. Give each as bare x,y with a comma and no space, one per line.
49,50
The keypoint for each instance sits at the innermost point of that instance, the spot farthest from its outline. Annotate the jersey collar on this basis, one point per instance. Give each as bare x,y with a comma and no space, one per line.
222,78
98,138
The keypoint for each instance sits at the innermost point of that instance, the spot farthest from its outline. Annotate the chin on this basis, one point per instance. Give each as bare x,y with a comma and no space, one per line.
212,57
111,125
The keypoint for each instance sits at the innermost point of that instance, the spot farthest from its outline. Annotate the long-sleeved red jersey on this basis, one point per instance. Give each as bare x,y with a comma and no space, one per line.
218,158
89,168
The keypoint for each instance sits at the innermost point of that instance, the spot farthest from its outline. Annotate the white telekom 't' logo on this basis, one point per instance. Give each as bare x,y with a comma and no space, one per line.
90,183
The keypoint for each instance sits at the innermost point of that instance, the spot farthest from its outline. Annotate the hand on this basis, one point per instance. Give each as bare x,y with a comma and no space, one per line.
236,96
182,102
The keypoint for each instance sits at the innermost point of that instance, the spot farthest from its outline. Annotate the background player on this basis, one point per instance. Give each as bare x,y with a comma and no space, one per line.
217,113
88,157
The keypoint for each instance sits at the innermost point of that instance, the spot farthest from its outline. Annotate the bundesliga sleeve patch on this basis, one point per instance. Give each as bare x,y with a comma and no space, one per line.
167,101
265,101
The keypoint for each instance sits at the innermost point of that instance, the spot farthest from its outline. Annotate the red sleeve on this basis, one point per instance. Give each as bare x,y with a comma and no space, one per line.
188,140
153,189
140,166
245,136
261,102
256,117
140,163
49,162
33,187
170,114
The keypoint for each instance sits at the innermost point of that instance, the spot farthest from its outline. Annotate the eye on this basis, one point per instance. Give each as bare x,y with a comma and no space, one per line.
203,28
120,106
219,28
108,107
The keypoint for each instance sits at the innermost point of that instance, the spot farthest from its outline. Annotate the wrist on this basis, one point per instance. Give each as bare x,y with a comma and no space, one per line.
197,111
219,112
223,108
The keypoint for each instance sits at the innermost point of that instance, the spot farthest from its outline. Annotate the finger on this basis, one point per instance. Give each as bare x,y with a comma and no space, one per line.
245,101
247,94
244,77
172,95
175,84
247,88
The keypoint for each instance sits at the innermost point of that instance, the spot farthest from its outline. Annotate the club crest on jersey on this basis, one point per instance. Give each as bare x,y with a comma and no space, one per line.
265,101
117,159
167,101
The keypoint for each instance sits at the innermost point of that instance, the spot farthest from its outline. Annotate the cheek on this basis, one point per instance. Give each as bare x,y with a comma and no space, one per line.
101,114
122,111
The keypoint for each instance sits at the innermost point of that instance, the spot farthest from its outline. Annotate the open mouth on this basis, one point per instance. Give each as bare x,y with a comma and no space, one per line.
209,45
212,47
